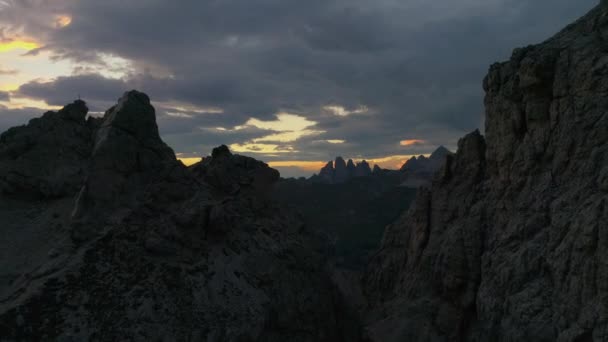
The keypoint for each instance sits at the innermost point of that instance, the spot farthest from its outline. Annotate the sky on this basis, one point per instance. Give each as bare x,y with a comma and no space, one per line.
293,83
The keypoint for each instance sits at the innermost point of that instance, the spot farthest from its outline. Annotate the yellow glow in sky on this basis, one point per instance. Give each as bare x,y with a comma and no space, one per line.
285,122
9,87
189,161
287,136
311,166
18,45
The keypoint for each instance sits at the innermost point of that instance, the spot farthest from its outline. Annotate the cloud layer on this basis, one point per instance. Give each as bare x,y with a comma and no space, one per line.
368,74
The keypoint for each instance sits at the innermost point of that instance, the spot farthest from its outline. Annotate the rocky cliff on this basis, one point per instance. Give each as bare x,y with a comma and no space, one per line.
109,237
419,171
510,242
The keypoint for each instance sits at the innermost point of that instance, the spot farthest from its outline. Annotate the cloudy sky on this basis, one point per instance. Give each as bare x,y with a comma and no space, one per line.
291,82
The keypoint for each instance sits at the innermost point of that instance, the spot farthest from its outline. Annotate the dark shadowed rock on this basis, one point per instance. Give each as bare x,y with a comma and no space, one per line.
162,251
341,173
509,244
362,169
326,175
350,167
234,173
128,154
48,156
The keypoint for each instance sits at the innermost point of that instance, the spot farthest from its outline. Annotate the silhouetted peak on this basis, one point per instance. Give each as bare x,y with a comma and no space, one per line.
134,114
76,111
220,151
440,153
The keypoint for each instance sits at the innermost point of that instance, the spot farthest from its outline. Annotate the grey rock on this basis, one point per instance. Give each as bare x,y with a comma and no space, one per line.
156,250
47,157
509,243
128,155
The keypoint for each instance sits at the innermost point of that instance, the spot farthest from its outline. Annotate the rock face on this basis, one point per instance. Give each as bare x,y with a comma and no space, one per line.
152,249
127,156
341,173
362,169
419,171
47,157
510,243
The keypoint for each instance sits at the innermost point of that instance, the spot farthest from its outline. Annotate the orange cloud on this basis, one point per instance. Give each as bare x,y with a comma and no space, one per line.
410,142
62,21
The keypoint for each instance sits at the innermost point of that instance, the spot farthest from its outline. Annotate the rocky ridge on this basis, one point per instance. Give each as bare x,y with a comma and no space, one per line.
419,171
339,171
509,243
114,239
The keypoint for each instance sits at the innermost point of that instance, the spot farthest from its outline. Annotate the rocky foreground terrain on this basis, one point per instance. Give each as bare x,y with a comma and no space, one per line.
510,242
107,237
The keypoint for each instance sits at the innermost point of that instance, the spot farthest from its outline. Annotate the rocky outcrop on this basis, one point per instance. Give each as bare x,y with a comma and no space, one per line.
339,171
234,174
419,171
156,250
509,244
326,175
127,156
350,166
47,157
362,169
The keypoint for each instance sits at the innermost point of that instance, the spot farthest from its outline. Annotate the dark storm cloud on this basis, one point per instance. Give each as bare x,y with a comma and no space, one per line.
17,117
66,89
417,65
4,96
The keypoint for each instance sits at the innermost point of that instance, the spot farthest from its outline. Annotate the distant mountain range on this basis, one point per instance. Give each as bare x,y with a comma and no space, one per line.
415,172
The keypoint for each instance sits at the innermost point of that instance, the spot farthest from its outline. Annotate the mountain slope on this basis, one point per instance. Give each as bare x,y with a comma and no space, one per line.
510,243
129,244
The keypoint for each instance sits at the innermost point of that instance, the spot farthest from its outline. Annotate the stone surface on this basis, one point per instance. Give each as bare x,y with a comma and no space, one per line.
153,250
128,154
510,242
47,157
